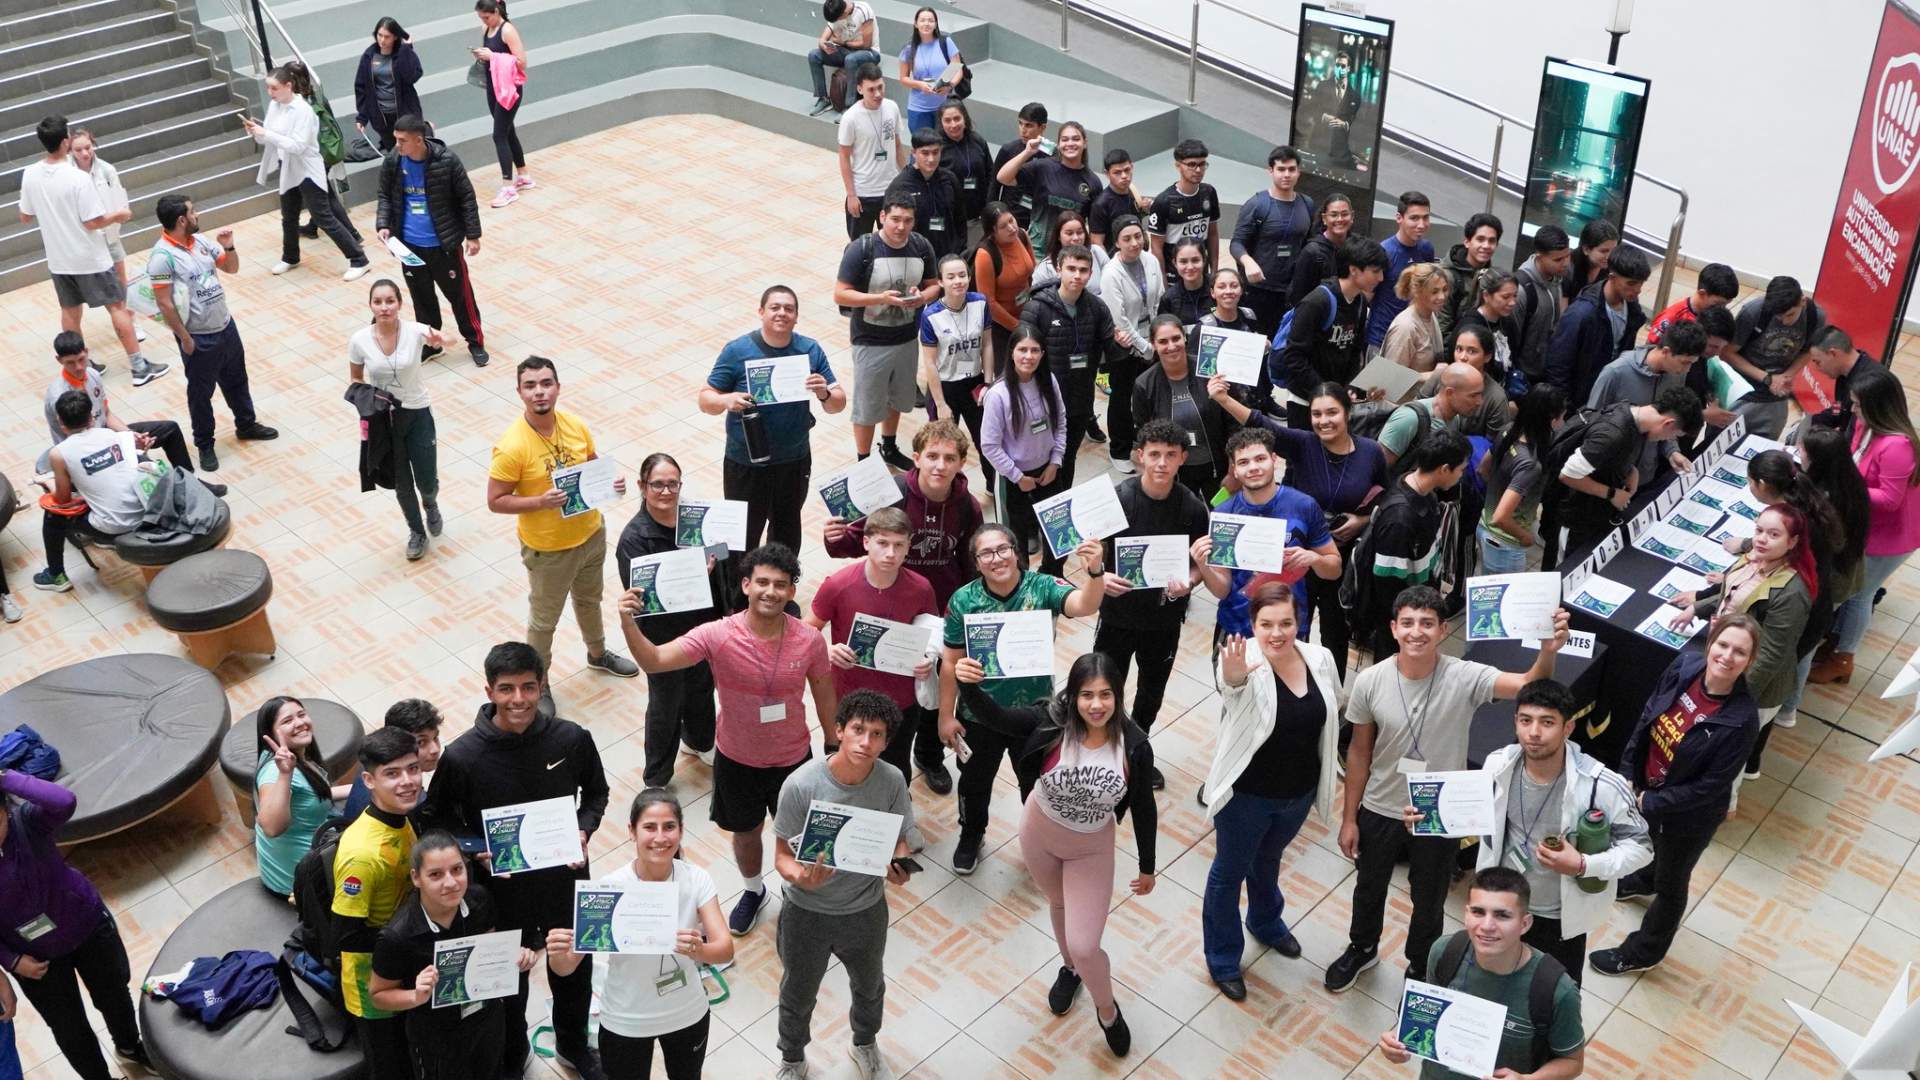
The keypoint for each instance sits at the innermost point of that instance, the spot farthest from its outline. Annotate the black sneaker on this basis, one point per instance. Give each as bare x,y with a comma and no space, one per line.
479,356
1094,434
209,461
310,231
1288,945
1624,891
256,432
137,1054
1066,987
430,352
746,912
1616,962
1235,988
1119,1036
1342,972
890,453
416,546
585,1062
966,855
1159,780
435,523
939,780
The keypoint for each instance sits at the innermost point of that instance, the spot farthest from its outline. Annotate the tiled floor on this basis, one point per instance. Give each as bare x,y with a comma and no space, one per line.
1812,894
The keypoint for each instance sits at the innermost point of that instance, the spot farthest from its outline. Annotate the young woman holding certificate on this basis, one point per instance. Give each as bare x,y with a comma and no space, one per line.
1023,435
1082,766
1173,390
652,998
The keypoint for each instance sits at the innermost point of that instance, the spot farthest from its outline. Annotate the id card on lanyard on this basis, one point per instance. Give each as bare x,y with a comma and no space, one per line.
772,711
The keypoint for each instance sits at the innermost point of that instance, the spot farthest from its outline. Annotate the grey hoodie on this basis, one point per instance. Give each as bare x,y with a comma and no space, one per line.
1628,378
1538,314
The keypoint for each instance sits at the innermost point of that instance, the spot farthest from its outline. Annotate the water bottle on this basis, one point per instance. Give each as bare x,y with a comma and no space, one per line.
753,425
1591,837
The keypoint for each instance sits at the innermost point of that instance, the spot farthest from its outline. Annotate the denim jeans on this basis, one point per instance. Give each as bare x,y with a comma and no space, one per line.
1249,835
1850,623
820,61
1498,556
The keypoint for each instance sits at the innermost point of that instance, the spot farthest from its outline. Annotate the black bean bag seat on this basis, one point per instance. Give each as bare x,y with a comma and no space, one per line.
141,549
336,729
134,733
6,500
254,1044
209,590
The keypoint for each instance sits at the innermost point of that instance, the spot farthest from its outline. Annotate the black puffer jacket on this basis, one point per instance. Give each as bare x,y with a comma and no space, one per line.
450,199
1088,332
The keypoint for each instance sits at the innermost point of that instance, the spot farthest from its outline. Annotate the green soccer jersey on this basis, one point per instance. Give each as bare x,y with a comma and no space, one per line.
1035,592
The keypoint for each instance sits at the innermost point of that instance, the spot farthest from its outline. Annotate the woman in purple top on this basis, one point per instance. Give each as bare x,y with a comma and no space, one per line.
54,927
1023,435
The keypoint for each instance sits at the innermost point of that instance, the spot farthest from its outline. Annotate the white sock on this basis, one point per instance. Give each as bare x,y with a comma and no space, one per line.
755,886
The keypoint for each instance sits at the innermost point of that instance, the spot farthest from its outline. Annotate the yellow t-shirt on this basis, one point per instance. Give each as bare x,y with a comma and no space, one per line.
369,881
526,459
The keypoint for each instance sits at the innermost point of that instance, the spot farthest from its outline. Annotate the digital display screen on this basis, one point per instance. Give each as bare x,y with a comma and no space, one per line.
1586,140
1340,92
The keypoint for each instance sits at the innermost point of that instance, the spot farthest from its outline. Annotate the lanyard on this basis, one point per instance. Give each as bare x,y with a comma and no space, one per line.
1520,806
779,653
1417,720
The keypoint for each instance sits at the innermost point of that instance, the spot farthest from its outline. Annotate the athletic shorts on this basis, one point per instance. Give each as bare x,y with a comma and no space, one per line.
745,796
92,290
883,380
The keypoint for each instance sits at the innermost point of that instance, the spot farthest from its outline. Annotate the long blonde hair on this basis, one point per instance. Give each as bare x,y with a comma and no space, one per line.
1418,279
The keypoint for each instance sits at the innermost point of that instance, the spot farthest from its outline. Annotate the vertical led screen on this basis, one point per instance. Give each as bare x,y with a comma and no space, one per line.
1586,138
1340,93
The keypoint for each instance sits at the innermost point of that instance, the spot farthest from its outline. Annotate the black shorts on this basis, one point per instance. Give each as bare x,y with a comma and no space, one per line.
102,289
745,796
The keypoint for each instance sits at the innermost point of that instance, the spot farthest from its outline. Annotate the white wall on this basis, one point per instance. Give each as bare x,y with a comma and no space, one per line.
1751,111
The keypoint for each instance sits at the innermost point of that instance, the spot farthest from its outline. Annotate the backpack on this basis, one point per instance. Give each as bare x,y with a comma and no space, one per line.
963,89
1546,977
1356,575
311,955
839,90
1275,363
1565,442
1374,421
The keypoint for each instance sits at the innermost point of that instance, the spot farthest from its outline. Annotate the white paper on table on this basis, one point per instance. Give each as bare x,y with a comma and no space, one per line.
1654,627
532,835
1601,596
1244,542
1677,581
1087,511
852,838
1512,606
1707,557
400,251
859,489
588,486
1666,541
775,379
1456,804
1011,644
1736,526
1730,470
1150,562
1578,644
1451,1027
1716,494
479,967
1237,354
1889,1050
1696,518
1747,506
712,521
1383,373
626,917
672,581
1755,444
885,645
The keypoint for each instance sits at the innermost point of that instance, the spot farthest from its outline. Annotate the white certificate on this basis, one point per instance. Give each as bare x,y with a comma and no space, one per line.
1452,803
1755,444
1716,494
634,917
884,645
1150,562
712,521
1730,470
777,379
476,968
1383,373
532,835
672,581
1236,354
1600,595
849,838
1655,627
588,485
1451,1027
1507,606
1707,556
1737,527
401,252
1677,581
1696,518
1248,543
1088,511
859,489
1011,644
1666,541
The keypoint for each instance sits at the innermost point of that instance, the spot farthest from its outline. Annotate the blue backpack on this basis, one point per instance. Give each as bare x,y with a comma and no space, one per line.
1276,365
217,990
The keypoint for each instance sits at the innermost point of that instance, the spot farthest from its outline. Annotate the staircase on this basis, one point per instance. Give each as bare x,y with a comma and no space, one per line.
160,109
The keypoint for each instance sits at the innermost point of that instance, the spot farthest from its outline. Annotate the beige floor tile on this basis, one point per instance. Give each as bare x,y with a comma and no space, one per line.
1718,1002
1817,843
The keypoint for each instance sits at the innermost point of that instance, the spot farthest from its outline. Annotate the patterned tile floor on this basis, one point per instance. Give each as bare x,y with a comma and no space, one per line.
1812,894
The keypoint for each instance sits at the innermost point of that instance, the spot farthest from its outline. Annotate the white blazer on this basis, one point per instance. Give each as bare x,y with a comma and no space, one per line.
1247,716
290,144
1131,308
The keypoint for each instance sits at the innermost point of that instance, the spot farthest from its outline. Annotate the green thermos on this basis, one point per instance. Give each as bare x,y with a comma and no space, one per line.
1591,837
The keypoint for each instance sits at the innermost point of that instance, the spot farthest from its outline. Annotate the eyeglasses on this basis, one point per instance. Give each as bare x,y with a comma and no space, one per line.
1196,163
994,554
665,487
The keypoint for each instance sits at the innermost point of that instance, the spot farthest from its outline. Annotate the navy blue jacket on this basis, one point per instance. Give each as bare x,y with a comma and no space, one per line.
1706,763
1584,343
406,72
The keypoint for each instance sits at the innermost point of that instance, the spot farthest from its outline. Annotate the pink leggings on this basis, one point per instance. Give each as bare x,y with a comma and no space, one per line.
1075,870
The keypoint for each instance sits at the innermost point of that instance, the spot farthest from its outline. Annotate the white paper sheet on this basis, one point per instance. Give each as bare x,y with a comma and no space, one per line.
1665,541
633,917
1382,373
1244,542
775,379
1150,562
1011,644
673,581
712,521
1237,354
532,835
588,485
1451,1027
1512,606
853,839
1456,804
1600,595
859,489
885,645
1088,511
1678,580
1654,627
476,968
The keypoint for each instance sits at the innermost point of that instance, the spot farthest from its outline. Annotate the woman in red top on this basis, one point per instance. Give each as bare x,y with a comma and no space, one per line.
1002,271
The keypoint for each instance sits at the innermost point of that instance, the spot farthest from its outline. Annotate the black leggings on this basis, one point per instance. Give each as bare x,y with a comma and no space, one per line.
101,962
632,1059
960,402
506,140
1330,627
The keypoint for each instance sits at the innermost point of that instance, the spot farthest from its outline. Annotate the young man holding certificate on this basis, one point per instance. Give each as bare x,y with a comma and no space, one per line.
1310,546
369,884
1411,713
1401,548
516,753
841,913
940,510
868,610
1541,1037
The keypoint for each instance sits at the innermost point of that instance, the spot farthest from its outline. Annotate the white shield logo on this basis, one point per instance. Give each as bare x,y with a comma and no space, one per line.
1896,122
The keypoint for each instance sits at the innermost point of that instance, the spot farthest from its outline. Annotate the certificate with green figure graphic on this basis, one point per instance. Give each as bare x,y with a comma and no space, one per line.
532,835
885,645
672,581
476,968
777,379
711,521
635,917
1151,562
1089,511
1457,1030
1011,644
859,489
1455,804
1512,606
848,838
1244,542
1236,354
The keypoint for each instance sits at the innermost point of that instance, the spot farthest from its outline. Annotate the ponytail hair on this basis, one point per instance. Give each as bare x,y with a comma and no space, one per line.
1823,533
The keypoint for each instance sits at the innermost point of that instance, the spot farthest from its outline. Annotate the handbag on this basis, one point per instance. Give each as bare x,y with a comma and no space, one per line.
963,89
333,146
480,75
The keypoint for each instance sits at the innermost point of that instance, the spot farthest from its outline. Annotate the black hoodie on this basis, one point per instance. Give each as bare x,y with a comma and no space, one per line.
488,767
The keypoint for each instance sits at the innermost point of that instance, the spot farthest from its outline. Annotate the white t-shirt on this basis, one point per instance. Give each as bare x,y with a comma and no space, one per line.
847,27
398,373
61,197
957,337
632,1004
873,133
105,471
113,194
1082,789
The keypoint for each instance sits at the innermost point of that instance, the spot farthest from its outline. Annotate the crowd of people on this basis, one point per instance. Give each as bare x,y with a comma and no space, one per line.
1008,293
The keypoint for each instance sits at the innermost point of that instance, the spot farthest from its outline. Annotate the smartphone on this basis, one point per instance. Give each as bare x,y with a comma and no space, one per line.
910,865
961,751
472,845
1047,146
717,551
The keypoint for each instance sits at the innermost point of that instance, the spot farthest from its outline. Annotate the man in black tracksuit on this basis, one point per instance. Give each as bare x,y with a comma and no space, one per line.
517,753
427,201
935,194
1078,331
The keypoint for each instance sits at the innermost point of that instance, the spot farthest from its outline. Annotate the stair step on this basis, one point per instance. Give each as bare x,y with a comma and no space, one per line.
221,205
37,45
161,75
159,142
127,129
45,19
24,79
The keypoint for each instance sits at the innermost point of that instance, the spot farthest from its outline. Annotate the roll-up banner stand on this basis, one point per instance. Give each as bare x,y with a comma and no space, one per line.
1340,93
1866,273
1586,140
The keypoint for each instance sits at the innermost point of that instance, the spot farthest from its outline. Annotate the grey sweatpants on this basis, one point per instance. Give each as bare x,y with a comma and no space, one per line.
806,941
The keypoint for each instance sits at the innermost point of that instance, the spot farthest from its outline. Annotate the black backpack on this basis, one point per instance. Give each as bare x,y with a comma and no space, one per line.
1368,422
963,89
1546,977
1356,575
311,956
1565,443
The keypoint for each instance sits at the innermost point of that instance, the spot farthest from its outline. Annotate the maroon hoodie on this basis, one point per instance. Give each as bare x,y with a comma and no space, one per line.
940,532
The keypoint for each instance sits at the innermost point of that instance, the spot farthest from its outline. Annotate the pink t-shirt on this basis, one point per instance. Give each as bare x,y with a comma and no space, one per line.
749,673
847,593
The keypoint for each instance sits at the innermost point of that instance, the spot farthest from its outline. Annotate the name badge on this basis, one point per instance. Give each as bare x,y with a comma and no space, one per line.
880,155
1193,439
470,1008
667,984
774,713
1077,361
38,928
967,183
936,224
1037,425
1284,251
1412,765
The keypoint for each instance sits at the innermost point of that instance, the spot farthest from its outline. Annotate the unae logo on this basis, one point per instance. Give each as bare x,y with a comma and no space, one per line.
1896,123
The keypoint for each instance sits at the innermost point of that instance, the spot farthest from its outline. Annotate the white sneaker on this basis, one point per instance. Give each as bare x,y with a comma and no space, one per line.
355,273
1787,719
791,1070
507,195
10,609
868,1060
1123,466
282,267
